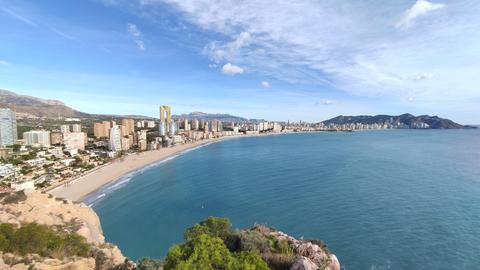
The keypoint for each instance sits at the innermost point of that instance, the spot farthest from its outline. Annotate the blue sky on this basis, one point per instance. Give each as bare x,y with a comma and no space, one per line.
278,60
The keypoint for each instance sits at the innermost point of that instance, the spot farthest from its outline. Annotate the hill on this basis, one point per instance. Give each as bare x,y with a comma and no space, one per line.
213,116
33,107
401,121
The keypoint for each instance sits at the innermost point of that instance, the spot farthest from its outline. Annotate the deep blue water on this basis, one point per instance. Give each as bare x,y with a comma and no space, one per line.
393,199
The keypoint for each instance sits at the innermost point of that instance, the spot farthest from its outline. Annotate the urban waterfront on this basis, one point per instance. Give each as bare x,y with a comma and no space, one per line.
384,199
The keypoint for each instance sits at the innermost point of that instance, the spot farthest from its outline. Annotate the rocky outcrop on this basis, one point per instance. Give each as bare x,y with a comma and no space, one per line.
304,254
26,207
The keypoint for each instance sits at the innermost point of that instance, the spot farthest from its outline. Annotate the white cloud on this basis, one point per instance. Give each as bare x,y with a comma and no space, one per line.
265,84
4,63
424,76
212,65
350,45
420,8
326,102
133,30
230,69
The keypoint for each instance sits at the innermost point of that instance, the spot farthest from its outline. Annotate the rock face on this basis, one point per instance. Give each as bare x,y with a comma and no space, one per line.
25,207
307,254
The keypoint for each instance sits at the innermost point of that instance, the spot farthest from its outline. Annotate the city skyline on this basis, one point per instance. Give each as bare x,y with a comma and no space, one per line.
125,57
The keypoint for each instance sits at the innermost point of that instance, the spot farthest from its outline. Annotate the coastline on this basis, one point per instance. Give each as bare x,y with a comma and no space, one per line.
80,188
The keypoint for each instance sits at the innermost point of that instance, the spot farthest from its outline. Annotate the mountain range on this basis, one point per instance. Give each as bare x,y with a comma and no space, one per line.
33,107
405,120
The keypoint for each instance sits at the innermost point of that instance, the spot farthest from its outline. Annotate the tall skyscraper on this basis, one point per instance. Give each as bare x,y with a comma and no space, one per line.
129,125
8,127
115,142
102,129
165,120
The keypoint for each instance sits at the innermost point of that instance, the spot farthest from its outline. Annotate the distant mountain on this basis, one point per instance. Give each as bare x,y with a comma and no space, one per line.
32,107
211,116
401,121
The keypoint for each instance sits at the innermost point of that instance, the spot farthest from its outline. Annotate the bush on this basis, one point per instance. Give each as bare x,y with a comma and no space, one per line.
212,226
39,239
205,249
14,197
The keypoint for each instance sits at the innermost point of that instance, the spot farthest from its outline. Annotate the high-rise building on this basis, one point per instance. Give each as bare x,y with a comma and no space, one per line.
8,127
64,128
186,125
37,138
102,130
56,138
76,128
129,125
165,120
195,124
74,140
115,142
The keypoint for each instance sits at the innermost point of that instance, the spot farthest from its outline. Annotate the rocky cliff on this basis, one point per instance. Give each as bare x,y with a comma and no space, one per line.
26,207
20,210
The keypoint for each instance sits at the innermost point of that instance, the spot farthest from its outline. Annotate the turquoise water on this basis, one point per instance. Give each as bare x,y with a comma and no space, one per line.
393,199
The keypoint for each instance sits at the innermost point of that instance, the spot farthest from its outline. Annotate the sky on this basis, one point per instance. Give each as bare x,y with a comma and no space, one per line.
304,60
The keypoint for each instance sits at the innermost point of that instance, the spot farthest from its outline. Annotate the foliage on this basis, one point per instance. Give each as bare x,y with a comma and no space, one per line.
14,197
213,226
39,239
205,249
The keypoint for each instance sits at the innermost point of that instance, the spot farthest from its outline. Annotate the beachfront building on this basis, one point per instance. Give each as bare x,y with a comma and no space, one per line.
115,141
102,130
129,126
37,138
165,120
8,127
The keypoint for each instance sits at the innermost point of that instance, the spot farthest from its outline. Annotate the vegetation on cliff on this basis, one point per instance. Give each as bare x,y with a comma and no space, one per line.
39,239
205,248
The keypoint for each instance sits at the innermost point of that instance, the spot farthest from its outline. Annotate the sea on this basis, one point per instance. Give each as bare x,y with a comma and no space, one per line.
380,199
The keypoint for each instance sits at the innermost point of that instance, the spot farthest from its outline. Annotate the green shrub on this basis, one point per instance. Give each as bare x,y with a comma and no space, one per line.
205,249
213,226
39,239
14,197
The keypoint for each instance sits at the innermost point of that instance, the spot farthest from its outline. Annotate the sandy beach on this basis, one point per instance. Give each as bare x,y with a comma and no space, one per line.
79,188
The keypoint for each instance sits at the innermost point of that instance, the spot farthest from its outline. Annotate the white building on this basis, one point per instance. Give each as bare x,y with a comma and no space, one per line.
8,127
23,185
150,124
6,170
76,128
36,162
37,138
64,128
115,142
74,140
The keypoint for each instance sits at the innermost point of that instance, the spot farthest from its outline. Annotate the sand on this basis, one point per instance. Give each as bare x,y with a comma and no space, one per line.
79,188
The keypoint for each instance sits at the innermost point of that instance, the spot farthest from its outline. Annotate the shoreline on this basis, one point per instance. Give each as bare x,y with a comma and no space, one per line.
80,188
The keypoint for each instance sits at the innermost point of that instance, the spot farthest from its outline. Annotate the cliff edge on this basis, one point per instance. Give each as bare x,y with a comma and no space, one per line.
62,216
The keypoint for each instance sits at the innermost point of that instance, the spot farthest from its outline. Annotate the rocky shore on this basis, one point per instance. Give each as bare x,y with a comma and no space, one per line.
19,209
